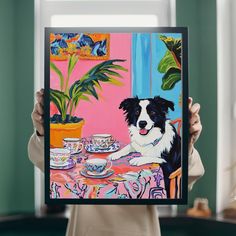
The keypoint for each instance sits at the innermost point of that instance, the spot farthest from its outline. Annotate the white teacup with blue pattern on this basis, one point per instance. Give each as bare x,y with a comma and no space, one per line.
97,165
102,141
74,145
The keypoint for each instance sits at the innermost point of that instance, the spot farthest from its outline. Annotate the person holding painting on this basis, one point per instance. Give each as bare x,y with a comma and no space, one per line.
114,220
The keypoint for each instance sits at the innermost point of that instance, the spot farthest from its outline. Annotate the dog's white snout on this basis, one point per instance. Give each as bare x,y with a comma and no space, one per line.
144,120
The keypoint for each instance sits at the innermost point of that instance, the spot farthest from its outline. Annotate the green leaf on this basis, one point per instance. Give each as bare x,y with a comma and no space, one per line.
162,37
102,77
174,46
59,73
89,82
104,65
60,99
172,76
76,98
97,85
118,67
167,62
109,72
56,101
116,82
72,62
85,98
93,91
110,62
74,88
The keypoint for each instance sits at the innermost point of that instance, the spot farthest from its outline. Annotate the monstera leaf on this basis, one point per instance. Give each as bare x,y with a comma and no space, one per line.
170,64
174,46
167,62
171,77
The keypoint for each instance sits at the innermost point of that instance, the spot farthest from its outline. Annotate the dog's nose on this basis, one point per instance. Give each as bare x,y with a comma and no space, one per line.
142,124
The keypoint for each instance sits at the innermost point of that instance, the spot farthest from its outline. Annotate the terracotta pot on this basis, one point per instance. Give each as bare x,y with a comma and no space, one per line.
60,131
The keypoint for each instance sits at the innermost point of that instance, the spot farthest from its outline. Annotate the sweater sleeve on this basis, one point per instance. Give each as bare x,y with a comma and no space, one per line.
36,151
195,168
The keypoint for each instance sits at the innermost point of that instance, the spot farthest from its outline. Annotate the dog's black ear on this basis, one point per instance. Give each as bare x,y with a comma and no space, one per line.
128,103
165,104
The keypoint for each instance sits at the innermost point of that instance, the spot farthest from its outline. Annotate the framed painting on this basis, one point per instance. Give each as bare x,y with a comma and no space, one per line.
116,115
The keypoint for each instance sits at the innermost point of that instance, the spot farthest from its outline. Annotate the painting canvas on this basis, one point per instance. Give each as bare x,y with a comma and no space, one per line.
116,116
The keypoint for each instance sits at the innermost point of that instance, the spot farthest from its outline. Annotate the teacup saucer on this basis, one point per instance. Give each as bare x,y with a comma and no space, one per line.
93,173
67,165
112,148
53,163
89,174
76,153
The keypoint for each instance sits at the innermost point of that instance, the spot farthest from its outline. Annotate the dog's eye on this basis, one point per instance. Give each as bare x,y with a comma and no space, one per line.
152,113
137,112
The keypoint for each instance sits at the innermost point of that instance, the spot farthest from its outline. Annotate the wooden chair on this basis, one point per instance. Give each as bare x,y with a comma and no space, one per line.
175,183
175,177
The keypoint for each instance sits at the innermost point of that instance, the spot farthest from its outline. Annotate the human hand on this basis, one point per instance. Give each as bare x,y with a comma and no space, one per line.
195,126
37,114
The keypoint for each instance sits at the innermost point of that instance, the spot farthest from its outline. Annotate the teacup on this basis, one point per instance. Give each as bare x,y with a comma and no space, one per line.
97,165
59,156
74,145
102,141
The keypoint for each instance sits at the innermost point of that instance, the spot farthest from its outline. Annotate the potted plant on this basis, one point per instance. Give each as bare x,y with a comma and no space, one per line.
66,100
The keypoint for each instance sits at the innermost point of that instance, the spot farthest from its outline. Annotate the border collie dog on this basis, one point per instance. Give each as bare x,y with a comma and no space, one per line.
152,135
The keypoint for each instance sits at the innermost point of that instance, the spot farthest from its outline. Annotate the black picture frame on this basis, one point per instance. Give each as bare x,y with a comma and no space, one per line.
185,132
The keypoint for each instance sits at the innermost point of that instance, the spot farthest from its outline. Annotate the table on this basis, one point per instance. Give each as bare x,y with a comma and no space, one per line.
127,182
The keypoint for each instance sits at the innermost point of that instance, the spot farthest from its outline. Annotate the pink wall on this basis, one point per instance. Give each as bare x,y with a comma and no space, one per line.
103,116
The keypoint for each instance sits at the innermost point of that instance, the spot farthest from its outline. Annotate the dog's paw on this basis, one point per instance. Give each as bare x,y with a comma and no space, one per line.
114,156
137,161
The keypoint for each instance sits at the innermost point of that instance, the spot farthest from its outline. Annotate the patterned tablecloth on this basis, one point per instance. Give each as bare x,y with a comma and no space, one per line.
131,182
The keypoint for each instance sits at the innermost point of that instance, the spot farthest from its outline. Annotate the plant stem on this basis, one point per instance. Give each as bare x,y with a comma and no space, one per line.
63,116
66,87
176,61
71,107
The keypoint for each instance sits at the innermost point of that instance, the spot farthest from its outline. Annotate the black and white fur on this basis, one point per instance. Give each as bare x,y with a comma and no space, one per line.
152,135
